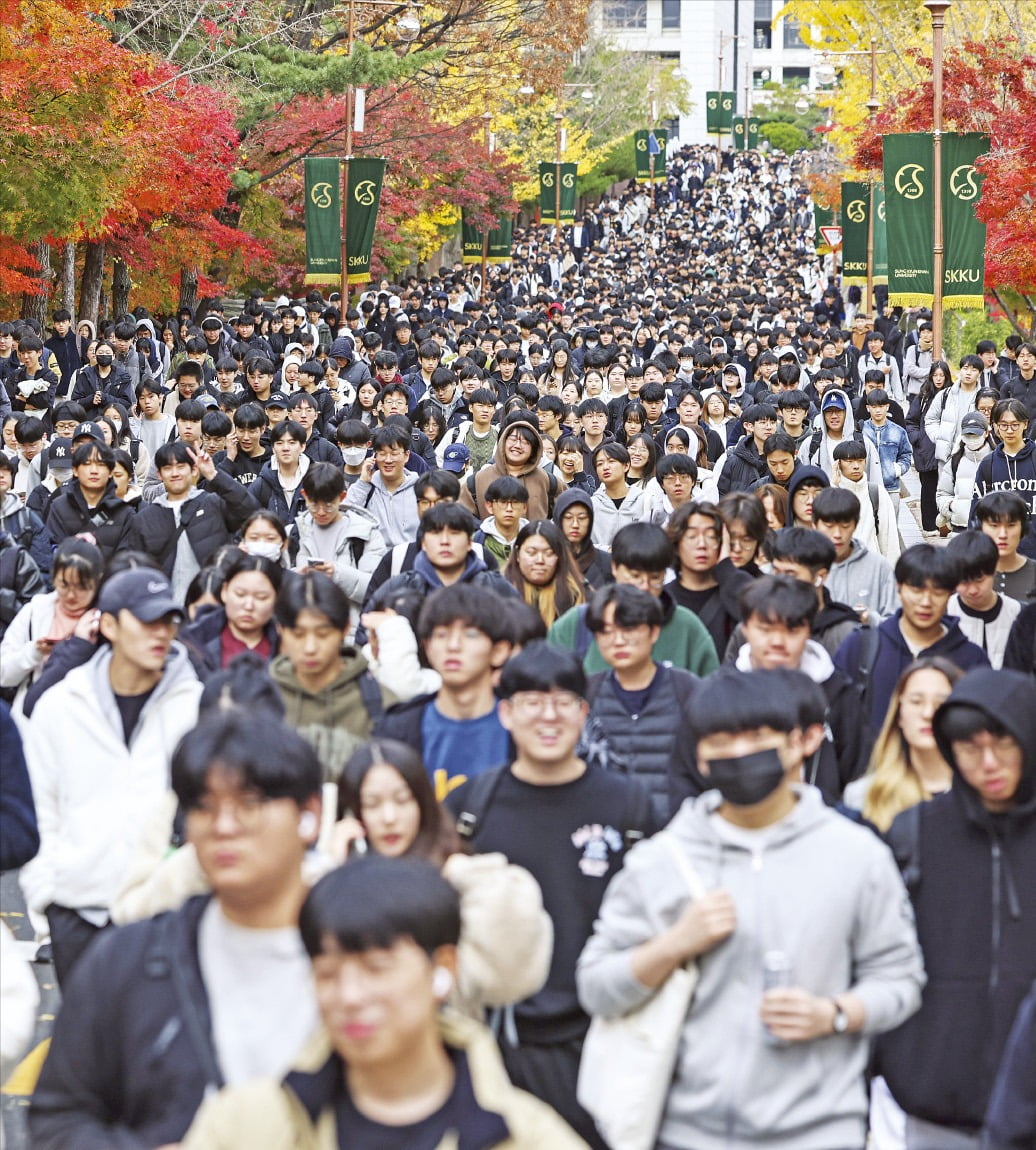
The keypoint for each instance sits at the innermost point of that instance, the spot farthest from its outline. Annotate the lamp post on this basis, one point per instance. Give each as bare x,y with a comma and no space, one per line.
724,39
937,8
487,119
408,28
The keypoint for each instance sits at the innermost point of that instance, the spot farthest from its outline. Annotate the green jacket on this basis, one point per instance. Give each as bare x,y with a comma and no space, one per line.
683,642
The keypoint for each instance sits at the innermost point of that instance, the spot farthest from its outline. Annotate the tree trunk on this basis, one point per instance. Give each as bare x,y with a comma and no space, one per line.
93,278
35,306
120,289
189,288
68,278
1009,314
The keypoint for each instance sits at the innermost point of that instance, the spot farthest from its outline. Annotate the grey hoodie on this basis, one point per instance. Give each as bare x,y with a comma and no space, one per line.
864,579
817,887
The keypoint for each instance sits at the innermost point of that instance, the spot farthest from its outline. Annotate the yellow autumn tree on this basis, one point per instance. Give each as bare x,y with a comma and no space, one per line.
840,27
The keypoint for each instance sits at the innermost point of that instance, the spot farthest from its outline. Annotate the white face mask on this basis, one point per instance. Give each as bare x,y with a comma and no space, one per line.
354,456
262,549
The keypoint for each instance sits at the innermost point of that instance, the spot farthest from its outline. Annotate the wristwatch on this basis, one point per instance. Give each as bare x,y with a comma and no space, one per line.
840,1022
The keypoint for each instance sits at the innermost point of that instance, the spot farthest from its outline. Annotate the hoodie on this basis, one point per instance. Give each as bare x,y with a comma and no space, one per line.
881,536
817,449
799,476
594,564
542,487
818,888
336,719
864,580
1002,472
892,658
969,873
842,756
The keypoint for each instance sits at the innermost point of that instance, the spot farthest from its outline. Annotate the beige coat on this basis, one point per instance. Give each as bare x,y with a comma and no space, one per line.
269,1114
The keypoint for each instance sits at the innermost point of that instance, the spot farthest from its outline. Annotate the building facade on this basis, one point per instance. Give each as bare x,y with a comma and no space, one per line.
693,35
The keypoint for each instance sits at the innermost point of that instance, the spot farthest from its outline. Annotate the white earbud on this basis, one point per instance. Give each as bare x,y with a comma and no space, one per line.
442,982
307,824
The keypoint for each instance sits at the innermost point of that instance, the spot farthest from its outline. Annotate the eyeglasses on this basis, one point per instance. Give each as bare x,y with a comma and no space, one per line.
390,454
612,631
248,809
323,504
532,703
1009,426
972,754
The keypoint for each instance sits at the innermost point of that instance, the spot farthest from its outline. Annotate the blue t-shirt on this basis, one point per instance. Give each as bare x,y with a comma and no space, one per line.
455,750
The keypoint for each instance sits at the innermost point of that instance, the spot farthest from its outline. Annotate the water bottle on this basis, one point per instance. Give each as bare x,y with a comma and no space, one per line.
777,974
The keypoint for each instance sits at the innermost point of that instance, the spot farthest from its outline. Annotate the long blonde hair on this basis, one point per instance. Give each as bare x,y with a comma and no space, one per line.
894,783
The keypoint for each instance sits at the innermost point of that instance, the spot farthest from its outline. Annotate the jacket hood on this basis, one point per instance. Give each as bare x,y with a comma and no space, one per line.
499,460
148,324
849,427
11,503
801,474
816,662
1009,699
569,497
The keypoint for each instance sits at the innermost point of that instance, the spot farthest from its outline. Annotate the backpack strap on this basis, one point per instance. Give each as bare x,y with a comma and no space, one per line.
584,636
356,549
872,490
868,656
159,962
480,793
370,689
638,816
904,838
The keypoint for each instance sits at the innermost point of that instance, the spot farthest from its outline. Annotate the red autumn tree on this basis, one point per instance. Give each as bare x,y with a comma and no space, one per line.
987,88
432,167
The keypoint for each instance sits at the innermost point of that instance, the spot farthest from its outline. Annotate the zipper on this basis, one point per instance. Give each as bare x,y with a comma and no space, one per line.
994,966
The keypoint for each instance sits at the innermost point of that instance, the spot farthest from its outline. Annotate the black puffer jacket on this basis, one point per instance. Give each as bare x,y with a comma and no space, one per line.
642,746
970,877
924,448
110,522
743,467
212,516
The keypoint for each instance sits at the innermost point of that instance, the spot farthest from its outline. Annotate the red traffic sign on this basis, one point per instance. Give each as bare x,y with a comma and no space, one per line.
832,236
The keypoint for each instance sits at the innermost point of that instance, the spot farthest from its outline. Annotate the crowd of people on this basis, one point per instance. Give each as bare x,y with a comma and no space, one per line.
399,702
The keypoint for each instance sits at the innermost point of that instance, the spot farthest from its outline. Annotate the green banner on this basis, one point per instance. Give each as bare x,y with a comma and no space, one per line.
645,152
323,220
881,247
740,141
498,249
549,199
964,237
823,218
366,175
855,211
907,162
719,112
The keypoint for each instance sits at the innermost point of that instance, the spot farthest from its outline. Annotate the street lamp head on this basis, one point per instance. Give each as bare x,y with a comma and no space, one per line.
802,105
938,7
825,73
526,90
408,27
586,95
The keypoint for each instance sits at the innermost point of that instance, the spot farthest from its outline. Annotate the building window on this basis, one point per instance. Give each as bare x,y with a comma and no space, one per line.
624,14
670,15
760,76
762,36
796,77
763,11
793,34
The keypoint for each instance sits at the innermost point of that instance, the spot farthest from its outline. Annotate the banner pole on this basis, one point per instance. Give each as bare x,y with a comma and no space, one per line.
344,289
937,8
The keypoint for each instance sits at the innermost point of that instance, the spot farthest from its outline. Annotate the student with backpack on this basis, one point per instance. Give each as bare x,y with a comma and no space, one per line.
466,638
570,826
345,543
874,658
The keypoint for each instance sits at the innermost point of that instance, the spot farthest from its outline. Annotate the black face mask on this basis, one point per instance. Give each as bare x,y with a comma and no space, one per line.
748,779
103,360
